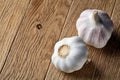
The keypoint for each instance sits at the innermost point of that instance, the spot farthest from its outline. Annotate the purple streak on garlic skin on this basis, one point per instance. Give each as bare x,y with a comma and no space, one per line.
94,27
105,20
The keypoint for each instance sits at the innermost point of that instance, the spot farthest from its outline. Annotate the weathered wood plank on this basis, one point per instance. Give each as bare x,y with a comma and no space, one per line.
89,71
30,53
11,14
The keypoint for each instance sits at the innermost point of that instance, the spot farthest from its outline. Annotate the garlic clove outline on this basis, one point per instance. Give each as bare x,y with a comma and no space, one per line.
94,27
70,54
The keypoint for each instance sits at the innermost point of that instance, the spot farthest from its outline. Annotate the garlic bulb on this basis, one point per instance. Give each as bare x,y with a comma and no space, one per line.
70,54
94,27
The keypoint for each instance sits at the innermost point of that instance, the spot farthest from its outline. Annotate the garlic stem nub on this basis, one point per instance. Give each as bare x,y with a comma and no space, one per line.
63,51
95,16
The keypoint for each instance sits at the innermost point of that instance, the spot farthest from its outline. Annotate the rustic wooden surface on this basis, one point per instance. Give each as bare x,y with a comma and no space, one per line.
30,28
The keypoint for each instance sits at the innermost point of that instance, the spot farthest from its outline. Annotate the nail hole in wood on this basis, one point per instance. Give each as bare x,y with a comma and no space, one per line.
39,26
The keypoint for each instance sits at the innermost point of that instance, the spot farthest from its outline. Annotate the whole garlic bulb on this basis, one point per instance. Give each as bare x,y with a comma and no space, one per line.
70,54
94,27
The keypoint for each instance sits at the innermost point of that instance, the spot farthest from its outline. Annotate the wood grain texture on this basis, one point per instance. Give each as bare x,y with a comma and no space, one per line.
26,47
11,14
30,53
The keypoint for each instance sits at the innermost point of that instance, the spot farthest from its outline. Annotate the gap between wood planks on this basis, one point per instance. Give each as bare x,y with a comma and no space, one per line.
15,36
60,34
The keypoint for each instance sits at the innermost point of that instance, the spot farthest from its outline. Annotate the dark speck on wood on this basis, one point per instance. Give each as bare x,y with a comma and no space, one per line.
39,26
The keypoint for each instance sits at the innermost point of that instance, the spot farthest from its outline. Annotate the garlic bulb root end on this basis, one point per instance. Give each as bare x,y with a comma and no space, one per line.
63,51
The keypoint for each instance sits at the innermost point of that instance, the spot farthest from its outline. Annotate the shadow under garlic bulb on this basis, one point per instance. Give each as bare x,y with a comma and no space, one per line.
94,27
70,54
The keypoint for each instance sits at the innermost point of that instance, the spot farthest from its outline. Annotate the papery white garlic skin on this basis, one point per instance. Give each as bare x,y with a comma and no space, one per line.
94,27
76,57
